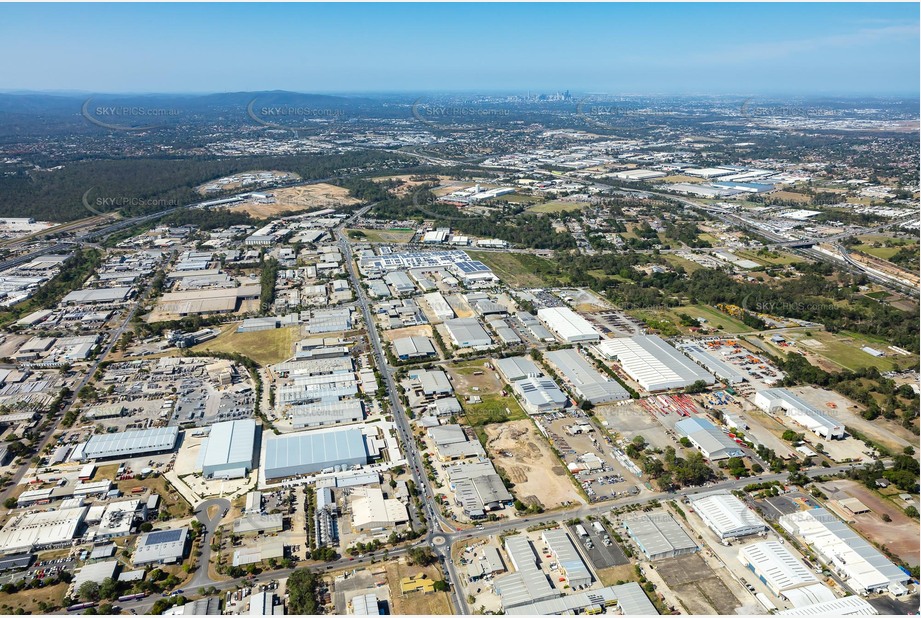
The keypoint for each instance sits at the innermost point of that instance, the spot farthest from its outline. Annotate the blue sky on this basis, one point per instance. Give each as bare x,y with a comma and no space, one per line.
612,48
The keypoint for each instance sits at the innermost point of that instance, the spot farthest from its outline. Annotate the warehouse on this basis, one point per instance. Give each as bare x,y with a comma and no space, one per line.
718,367
568,325
659,536
229,450
784,574
728,516
26,532
131,443
161,547
467,333
516,368
533,324
860,564
327,388
407,348
400,283
478,488
432,382
571,563
773,399
709,440
373,513
220,300
586,382
528,584
453,443
847,606
439,306
540,395
325,414
653,364
629,598
307,453
257,523
89,296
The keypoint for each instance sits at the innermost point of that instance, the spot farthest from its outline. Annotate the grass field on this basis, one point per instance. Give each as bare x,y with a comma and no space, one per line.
793,196
266,347
716,318
669,324
518,270
386,236
844,350
884,253
555,206
472,378
493,409
775,258
28,600
676,261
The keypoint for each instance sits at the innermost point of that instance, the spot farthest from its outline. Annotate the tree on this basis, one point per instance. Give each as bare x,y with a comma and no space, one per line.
89,591
912,512
109,588
441,586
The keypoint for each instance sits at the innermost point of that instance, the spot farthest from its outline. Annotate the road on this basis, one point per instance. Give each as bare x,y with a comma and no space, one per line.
221,506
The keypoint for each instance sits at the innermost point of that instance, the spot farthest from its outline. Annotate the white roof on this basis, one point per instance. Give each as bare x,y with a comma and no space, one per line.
777,567
847,606
230,442
569,325
727,515
653,363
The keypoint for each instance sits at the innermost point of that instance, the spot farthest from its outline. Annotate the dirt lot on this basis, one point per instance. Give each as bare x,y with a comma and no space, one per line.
29,600
308,197
700,589
538,475
423,330
415,603
900,535
409,185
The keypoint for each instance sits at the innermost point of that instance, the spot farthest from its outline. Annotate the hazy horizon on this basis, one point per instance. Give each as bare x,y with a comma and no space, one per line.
839,49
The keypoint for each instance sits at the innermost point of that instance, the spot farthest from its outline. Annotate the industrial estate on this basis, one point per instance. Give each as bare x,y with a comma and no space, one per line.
626,357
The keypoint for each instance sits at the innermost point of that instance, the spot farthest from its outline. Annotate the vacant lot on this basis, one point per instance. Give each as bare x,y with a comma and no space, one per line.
518,270
292,199
29,600
266,347
522,452
699,588
394,236
845,351
497,404
415,603
557,206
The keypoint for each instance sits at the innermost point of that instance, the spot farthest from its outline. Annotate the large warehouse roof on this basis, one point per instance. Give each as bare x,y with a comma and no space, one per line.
848,606
130,443
711,441
629,597
777,567
26,531
517,368
654,364
568,325
727,515
717,366
586,381
659,535
161,546
865,567
304,453
772,399
230,444
101,295
467,333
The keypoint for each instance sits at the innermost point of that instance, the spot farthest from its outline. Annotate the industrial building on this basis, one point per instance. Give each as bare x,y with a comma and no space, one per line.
467,333
439,306
773,399
516,368
728,516
659,536
229,449
715,365
407,348
365,605
432,382
567,556
478,488
326,414
131,443
847,606
90,296
652,363
30,531
864,568
400,283
452,443
255,523
528,584
540,395
310,452
708,439
371,512
586,382
538,330
161,547
488,562
568,325
784,574
629,598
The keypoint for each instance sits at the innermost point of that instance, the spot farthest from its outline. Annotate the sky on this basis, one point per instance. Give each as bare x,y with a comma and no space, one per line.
692,49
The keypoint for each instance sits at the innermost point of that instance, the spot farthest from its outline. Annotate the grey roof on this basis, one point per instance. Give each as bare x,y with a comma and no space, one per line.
230,444
540,394
568,557
161,546
433,381
585,379
629,597
413,346
467,332
128,443
715,365
653,363
795,406
529,584
333,413
708,438
101,295
518,367
659,535
304,453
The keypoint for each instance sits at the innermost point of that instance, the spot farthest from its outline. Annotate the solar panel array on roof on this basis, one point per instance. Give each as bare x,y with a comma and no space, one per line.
163,536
